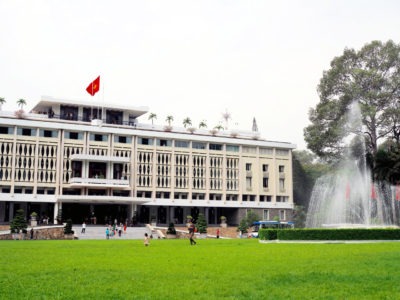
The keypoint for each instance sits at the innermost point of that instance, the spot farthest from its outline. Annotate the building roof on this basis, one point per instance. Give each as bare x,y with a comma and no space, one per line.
47,102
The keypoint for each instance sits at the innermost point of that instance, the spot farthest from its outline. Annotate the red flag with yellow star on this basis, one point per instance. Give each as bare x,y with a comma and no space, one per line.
94,86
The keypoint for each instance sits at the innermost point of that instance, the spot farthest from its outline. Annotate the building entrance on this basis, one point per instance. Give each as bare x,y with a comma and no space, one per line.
95,213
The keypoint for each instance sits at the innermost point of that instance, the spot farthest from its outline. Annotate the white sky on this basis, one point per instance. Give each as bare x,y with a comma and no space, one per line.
195,59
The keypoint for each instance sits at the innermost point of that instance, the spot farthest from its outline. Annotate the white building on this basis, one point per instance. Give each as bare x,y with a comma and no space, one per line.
96,160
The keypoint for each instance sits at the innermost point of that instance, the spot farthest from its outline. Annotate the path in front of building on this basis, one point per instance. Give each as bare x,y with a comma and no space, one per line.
98,232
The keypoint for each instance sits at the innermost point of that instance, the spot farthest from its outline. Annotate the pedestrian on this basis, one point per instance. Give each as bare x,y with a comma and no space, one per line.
119,230
125,228
218,233
31,233
83,227
107,233
146,239
191,234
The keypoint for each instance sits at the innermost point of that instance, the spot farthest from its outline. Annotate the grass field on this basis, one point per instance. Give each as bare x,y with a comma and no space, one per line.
213,269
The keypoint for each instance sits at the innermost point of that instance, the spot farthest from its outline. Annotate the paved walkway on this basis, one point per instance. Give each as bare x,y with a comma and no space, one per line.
98,232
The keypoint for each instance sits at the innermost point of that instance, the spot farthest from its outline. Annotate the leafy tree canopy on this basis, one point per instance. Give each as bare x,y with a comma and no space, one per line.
371,77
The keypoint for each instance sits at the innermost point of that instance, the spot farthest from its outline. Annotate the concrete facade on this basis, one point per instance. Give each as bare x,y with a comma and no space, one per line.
97,163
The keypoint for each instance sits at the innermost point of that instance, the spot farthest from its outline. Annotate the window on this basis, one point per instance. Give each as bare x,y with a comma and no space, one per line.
163,143
232,148
248,167
248,183
282,152
282,215
73,135
266,214
196,145
26,131
265,182
5,130
249,149
281,169
282,184
265,168
266,151
145,141
181,144
122,139
217,147
98,137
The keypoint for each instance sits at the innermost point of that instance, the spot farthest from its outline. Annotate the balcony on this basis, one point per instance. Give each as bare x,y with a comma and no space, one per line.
99,182
100,158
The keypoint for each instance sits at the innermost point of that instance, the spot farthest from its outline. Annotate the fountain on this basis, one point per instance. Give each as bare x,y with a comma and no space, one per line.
347,197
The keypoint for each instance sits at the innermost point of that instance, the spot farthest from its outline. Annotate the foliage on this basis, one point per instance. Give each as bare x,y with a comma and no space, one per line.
299,216
202,124
21,103
268,234
243,226
370,77
2,100
88,270
201,223
152,117
68,227
169,119
387,164
19,222
251,217
171,229
187,122
332,234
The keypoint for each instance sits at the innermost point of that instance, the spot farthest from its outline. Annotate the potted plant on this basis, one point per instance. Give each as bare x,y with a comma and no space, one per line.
34,219
68,232
171,231
201,226
223,221
18,224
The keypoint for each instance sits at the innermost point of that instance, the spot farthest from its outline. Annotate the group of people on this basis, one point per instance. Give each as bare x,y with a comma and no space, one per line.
115,229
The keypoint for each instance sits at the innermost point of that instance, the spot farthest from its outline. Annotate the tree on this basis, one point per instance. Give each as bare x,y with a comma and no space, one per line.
21,102
369,77
68,227
18,223
387,164
203,124
2,101
152,117
219,127
243,226
201,223
169,120
187,122
251,217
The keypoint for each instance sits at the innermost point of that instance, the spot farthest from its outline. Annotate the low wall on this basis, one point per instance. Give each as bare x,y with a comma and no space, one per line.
39,233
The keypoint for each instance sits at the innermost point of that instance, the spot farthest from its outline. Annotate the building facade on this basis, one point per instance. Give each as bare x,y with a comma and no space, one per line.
98,163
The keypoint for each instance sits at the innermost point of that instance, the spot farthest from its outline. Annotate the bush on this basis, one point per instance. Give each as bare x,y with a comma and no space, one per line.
18,223
68,227
331,234
171,229
201,224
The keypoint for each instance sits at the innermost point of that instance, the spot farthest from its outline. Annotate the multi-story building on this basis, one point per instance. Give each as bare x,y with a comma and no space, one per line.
87,160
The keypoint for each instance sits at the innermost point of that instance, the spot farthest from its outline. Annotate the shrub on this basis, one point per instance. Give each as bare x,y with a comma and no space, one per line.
18,223
68,227
171,229
201,224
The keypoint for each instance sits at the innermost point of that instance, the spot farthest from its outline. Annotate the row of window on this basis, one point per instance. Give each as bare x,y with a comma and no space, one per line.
141,141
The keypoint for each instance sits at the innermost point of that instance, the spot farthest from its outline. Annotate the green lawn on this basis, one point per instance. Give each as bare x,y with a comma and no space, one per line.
213,269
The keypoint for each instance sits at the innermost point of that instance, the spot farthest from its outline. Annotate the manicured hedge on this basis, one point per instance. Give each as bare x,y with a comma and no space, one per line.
330,234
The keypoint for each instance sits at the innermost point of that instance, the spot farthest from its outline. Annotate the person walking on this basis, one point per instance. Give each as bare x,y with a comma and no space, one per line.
83,227
107,233
191,234
218,233
146,240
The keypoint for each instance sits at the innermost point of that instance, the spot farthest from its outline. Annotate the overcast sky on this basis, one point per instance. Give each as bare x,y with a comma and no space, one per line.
195,59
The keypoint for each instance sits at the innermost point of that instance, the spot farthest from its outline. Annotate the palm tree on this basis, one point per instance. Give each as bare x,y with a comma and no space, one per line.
2,101
187,122
152,116
219,127
21,102
203,124
169,120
